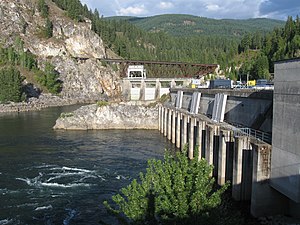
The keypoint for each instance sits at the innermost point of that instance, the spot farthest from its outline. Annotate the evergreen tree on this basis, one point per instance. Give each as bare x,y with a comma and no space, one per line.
289,29
43,8
261,68
49,79
48,28
295,46
10,85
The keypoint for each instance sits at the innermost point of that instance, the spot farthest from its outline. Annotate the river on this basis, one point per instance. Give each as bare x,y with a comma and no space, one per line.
62,177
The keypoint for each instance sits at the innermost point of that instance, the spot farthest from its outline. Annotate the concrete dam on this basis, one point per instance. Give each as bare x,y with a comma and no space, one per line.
251,138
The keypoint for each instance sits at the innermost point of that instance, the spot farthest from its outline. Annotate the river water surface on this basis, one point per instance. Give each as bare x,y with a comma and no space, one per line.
62,177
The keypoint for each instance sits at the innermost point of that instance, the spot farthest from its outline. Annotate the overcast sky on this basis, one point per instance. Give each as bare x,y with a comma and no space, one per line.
218,9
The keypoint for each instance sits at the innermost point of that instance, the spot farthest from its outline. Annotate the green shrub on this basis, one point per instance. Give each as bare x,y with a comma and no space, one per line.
43,8
164,98
102,103
173,191
64,115
49,79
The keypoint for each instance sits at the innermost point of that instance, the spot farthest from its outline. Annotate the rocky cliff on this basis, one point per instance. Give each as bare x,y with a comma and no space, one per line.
113,116
74,48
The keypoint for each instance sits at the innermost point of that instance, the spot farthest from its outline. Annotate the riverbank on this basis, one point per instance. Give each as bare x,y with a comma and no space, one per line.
112,116
36,104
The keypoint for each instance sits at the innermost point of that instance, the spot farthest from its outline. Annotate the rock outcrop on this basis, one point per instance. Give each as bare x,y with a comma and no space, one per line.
34,104
112,116
74,49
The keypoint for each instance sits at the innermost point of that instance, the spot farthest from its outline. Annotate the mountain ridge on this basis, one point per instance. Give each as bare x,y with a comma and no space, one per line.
188,25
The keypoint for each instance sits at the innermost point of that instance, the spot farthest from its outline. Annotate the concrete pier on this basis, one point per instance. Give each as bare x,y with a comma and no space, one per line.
161,120
174,113
166,121
159,117
170,112
225,136
191,138
178,130
199,140
209,144
184,131
241,148
264,199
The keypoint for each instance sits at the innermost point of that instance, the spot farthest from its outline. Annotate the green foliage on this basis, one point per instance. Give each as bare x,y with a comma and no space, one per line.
261,68
48,28
17,56
281,43
102,103
43,8
10,85
164,98
74,8
188,25
194,40
49,79
131,42
175,190
65,115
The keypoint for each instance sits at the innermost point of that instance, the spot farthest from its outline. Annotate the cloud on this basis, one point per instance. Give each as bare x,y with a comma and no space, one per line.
106,8
219,9
279,8
132,10
165,5
212,7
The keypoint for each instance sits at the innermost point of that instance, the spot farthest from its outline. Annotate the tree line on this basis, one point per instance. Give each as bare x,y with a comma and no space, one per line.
12,59
253,56
281,43
131,42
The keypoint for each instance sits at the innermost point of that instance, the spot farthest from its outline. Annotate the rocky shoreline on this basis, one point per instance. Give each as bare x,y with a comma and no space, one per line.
35,104
111,116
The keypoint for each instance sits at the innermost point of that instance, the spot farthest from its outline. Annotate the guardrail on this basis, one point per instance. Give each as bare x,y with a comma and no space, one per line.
245,131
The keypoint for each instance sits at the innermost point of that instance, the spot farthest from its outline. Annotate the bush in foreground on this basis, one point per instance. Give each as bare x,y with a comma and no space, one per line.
173,191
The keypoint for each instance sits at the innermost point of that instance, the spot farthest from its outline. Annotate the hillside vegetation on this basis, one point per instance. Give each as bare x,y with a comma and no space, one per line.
188,25
243,48
281,43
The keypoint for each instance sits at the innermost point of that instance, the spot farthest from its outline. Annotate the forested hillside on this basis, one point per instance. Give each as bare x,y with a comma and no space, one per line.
281,43
131,42
188,25
251,54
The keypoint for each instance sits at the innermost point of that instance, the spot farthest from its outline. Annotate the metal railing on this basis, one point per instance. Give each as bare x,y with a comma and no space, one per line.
259,135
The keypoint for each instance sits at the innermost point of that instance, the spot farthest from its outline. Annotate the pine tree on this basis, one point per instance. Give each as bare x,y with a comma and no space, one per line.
261,67
10,85
43,8
49,79
48,28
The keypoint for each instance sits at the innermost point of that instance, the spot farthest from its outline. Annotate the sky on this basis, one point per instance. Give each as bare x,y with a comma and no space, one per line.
217,9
